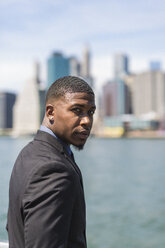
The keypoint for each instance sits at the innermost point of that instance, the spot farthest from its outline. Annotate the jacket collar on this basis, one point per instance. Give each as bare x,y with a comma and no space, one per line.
46,137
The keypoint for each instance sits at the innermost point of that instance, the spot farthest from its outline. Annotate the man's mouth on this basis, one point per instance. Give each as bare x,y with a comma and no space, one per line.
82,134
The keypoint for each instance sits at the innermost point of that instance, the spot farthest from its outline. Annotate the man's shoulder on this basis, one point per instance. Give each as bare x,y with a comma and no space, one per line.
38,153
42,142
40,158
46,139
45,161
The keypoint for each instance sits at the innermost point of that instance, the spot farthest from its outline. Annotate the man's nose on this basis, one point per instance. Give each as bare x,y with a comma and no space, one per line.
86,120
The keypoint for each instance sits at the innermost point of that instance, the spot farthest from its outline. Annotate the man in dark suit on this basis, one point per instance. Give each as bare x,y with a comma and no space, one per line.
46,197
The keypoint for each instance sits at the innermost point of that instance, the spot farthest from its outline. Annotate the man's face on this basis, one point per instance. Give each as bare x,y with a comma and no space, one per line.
73,118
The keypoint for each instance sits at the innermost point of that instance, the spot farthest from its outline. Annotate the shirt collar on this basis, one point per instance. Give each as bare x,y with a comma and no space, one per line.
48,130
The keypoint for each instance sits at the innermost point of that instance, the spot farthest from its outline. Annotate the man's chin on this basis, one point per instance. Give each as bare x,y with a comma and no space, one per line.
78,147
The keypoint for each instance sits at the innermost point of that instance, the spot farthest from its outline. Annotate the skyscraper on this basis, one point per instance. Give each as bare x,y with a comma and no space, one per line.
27,108
7,101
58,66
74,67
120,71
41,89
109,99
121,97
85,65
120,66
149,93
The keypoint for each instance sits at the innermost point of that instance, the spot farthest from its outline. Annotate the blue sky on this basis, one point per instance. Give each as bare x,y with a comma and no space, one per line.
32,29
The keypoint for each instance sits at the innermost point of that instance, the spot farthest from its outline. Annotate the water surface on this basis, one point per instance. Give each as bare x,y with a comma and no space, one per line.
124,181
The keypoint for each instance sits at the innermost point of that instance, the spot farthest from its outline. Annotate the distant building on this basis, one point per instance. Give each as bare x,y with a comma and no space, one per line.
134,123
128,100
149,93
29,106
7,101
121,96
27,110
37,73
42,95
129,80
121,66
58,66
41,90
115,99
74,67
120,71
109,99
85,65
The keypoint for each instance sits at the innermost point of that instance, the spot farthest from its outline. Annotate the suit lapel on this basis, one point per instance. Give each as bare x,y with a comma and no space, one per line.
43,136
75,166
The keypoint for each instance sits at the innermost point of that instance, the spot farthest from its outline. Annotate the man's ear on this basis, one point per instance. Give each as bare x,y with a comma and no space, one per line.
50,111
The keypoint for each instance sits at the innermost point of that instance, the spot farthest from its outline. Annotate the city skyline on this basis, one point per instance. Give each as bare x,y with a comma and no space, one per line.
32,30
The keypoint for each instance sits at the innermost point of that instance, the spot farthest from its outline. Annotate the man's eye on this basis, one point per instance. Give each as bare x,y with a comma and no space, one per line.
91,112
76,110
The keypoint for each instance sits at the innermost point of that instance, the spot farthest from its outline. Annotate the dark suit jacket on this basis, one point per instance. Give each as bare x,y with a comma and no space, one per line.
46,198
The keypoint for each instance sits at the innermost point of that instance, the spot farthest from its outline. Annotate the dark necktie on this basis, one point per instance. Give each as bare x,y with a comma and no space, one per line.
79,172
72,156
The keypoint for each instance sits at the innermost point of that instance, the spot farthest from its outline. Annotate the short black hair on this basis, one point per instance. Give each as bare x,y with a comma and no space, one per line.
67,84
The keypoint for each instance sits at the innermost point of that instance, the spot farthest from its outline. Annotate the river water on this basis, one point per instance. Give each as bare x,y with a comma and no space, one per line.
124,181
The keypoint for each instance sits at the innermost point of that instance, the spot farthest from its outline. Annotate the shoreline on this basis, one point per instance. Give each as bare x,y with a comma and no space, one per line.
137,134
100,133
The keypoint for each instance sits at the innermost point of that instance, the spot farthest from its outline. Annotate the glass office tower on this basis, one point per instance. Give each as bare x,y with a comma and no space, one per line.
58,66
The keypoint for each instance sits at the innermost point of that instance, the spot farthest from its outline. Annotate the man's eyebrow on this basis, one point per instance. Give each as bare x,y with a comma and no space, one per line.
78,105
82,105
